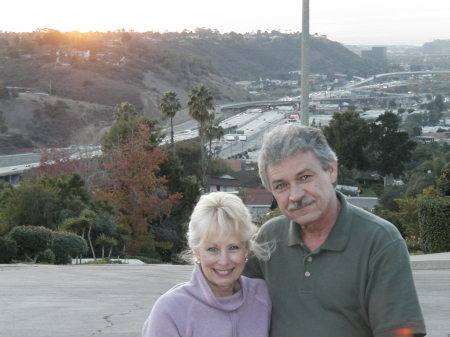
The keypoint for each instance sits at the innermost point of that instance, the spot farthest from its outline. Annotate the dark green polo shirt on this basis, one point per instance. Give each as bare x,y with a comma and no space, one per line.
357,284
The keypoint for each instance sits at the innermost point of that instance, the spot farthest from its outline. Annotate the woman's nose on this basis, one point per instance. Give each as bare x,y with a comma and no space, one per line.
224,258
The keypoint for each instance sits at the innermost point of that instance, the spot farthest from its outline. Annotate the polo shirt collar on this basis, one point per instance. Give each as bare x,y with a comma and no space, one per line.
340,234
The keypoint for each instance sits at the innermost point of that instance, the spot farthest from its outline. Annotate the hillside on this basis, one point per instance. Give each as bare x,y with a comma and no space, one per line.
86,75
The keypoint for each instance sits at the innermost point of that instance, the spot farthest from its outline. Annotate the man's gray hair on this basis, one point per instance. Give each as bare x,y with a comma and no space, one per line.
288,139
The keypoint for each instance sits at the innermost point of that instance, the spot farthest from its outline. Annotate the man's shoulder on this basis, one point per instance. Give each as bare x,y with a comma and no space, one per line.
278,224
372,223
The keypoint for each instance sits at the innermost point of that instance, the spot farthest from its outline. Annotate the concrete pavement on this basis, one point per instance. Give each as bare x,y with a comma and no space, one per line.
114,300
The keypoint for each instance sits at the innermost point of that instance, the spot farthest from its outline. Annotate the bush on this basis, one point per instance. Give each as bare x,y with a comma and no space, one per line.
434,226
8,249
46,256
67,246
31,240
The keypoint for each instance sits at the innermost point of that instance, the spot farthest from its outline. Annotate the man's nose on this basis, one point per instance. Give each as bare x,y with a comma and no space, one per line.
296,192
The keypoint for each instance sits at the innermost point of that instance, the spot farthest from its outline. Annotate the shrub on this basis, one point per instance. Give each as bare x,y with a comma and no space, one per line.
434,226
31,240
46,256
8,249
67,246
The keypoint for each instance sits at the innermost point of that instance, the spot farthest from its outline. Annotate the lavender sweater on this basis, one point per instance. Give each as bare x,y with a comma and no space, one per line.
192,310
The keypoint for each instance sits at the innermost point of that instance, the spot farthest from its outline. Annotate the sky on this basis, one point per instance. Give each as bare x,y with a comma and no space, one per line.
351,22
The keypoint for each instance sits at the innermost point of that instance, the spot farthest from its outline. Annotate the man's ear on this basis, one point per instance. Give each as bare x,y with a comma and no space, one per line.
333,170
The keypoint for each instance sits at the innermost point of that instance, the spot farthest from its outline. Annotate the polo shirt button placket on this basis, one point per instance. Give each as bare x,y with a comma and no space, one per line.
307,273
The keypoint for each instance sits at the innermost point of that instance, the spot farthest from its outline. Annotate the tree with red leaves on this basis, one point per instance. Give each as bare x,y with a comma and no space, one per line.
133,185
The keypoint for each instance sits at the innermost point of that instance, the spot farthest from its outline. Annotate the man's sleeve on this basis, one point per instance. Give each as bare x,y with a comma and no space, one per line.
391,296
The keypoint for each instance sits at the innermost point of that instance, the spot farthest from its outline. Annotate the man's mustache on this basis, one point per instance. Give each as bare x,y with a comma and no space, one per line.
300,203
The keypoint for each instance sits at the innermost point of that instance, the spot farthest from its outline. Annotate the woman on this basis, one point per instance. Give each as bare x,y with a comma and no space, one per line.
217,301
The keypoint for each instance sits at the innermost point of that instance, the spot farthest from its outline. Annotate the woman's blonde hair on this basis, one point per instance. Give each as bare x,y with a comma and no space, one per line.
218,215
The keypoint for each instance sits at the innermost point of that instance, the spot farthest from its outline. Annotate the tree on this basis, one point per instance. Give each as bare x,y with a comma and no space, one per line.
85,222
30,203
31,240
199,103
443,181
104,240
213,131
169,107
347,134
389,148
133,186
126,125
67,246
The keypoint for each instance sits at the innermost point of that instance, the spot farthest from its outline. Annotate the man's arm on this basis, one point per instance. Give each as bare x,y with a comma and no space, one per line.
392,302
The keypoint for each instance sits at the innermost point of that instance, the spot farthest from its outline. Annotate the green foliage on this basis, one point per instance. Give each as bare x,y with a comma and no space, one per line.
31,240
390,149
434,215
443,181
199,103
106,241
409,216
8,249
347,134
390,216
43,201
126,125
67,246
388,198
46,256
30,203
169,106
218,167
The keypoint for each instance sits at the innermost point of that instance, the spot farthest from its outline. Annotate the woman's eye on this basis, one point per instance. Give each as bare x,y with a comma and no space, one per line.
234,247
213,249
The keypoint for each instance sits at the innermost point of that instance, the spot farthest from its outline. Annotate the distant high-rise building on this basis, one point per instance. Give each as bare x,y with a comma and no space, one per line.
376,53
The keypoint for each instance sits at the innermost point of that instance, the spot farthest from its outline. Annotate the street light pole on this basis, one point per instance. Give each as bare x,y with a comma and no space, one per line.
305,64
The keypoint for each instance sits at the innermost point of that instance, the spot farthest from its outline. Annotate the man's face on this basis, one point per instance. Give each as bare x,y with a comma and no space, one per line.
303,190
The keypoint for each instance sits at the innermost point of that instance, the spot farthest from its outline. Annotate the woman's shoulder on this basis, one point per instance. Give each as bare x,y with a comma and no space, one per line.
174,295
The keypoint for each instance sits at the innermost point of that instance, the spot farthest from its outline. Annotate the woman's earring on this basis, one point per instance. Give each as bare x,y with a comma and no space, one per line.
246,259
197,261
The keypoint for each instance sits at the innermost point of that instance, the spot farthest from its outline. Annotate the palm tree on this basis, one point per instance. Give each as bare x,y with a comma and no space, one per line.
213,131
199,103
169,106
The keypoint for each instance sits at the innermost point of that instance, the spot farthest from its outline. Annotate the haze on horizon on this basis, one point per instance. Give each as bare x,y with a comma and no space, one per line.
351,22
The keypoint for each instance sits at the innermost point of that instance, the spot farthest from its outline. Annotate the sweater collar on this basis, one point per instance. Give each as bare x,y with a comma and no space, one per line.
202,291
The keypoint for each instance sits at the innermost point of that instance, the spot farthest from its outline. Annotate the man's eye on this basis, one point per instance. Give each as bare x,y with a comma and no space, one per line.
280,186
305,177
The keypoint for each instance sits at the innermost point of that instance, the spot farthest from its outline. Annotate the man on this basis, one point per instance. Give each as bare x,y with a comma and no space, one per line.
337,270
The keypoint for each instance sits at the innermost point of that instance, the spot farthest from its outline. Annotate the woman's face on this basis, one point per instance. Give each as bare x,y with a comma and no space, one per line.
222,262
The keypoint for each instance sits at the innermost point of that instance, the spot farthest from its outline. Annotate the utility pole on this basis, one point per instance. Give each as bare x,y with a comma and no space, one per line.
305,64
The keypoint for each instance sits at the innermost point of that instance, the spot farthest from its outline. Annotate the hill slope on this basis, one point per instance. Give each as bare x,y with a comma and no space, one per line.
105,69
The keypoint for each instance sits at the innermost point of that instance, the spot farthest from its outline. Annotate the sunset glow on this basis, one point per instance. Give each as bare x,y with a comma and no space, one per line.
382,21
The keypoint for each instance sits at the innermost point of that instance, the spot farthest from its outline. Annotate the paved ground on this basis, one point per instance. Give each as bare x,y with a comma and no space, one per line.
114,300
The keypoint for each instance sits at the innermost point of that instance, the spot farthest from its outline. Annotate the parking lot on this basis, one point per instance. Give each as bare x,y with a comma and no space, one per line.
114,300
